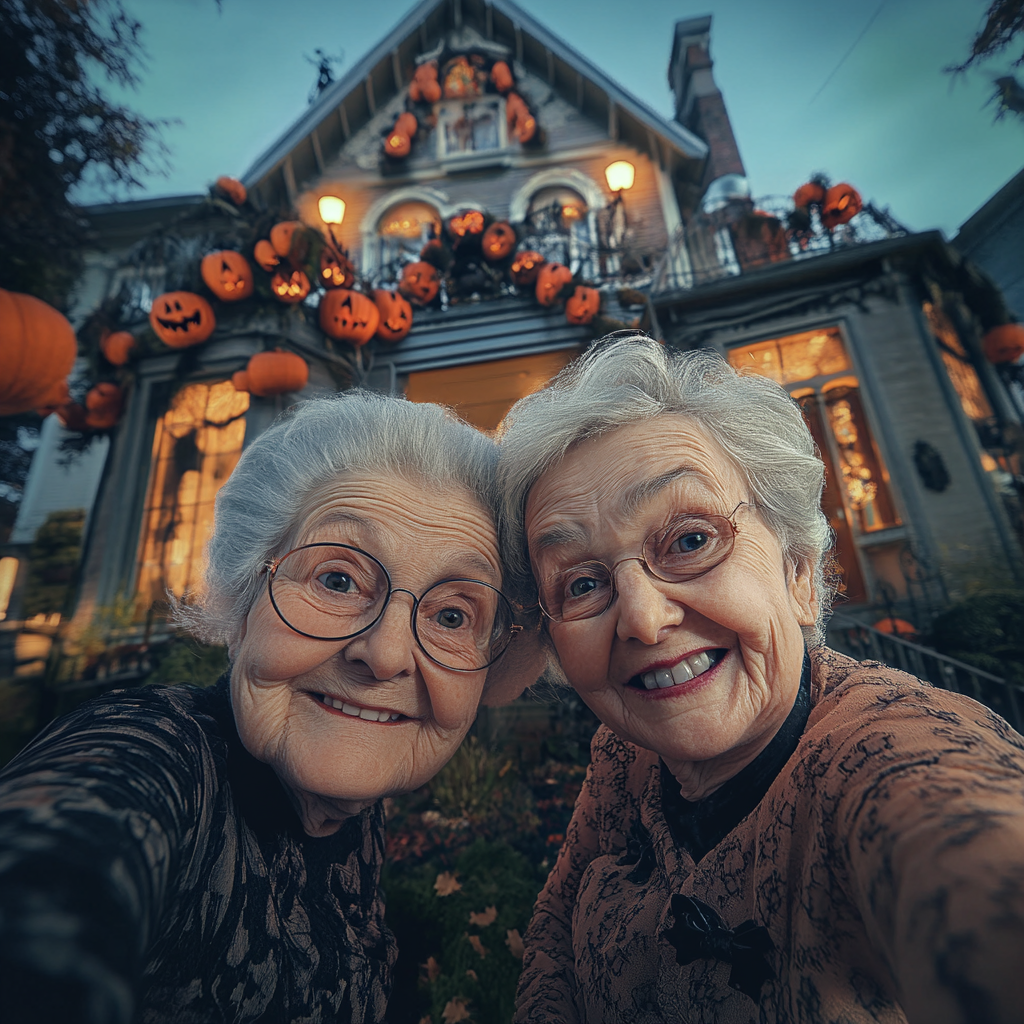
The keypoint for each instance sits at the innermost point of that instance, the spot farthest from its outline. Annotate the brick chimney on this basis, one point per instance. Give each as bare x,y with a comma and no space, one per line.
699,104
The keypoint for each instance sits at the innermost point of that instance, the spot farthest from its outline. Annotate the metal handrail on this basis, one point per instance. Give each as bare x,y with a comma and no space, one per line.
863,643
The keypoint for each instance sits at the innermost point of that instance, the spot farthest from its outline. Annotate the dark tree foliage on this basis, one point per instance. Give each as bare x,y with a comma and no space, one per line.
1004,19
19,436
57,126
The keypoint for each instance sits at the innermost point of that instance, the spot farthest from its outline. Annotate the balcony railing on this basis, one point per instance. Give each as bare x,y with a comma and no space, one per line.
864,643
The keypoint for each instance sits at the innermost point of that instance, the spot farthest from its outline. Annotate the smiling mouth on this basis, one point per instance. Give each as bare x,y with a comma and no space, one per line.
355,711
682,672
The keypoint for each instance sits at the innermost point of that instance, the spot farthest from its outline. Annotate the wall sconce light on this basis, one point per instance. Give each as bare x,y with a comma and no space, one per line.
332,209
619,176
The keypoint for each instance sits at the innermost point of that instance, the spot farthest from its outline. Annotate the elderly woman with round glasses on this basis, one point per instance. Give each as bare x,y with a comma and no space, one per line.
768,831
176,854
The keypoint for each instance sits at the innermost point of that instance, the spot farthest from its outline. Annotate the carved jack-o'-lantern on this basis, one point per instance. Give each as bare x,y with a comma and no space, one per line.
501,76
420,282
290,287
275,373
553,277
499,241
842,203
521,123
397,145
227,274
180,319
810,193
395,315
281,235
470,222
583,305
349,316
526,266
424,87
1003,344
336,270
116,347
233,189
263,253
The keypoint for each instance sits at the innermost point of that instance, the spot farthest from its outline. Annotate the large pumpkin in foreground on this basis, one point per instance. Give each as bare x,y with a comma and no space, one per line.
37,351
276,373
180,319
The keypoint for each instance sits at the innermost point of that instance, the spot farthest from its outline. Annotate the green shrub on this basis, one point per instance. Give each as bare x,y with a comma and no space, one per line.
986,631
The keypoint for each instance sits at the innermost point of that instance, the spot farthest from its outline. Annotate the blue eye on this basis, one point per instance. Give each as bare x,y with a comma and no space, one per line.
687,542
339,582
582,586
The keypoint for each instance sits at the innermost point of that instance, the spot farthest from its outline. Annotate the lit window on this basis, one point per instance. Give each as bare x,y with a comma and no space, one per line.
196,445
561,227
958,365
401,233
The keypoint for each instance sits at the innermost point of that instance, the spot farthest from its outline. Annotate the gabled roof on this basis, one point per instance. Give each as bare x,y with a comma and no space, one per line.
343,107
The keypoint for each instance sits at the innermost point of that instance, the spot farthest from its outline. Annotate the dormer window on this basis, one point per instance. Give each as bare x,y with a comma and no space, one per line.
471,127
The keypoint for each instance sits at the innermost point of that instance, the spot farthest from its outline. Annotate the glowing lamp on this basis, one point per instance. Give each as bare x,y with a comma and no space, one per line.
619,175
332,209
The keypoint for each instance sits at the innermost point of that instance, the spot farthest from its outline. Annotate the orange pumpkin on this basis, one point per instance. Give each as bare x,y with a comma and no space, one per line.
117,347
407,124
420,282
227,274
395,315
281,235
103,406
499,241
471,222
521,123
233,189
56,398
553,277
810,193
264,255
842,204
349,316
583,305
501,76
1003,344
276,373
336,270
398,145
526,266
180,319
290,287
37,350
424,87
240,380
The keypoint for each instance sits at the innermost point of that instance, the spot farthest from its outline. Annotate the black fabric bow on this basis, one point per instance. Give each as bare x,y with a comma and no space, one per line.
699,934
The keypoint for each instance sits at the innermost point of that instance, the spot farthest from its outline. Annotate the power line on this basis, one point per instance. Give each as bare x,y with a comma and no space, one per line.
843,59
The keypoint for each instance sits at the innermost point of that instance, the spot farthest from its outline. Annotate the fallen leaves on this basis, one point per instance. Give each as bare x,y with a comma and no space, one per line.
433,969
474,941
515,943
454,1011
484,918
446,884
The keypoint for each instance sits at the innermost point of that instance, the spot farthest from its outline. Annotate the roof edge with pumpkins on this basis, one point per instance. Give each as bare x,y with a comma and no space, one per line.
622,107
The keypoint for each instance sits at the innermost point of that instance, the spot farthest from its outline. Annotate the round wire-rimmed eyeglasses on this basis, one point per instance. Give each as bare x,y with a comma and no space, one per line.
335,592
689,546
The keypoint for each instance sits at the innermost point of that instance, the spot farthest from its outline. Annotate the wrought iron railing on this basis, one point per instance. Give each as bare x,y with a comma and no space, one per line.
864,643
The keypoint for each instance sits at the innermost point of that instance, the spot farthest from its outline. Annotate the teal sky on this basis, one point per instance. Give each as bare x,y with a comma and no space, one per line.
888,121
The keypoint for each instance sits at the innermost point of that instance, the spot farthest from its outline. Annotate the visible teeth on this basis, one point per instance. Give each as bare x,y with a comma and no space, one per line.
349,709
682,673
663,677
367,714
700,663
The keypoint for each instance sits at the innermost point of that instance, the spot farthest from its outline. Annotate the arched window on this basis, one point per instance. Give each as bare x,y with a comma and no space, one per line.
402,231
560,225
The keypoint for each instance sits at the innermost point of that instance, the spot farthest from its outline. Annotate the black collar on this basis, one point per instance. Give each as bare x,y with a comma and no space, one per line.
699,826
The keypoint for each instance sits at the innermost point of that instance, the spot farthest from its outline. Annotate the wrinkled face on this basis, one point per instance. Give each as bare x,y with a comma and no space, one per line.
285,686
705,670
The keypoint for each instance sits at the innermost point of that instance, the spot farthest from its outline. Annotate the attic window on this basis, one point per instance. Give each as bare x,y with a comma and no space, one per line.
470,127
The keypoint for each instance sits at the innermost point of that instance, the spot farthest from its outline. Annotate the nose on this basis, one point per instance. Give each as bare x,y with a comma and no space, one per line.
643,606
387,647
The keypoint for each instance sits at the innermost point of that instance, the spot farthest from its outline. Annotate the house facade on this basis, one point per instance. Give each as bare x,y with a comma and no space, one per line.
873,330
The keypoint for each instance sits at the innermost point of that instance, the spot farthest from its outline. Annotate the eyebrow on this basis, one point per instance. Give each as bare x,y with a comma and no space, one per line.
636,497
561,535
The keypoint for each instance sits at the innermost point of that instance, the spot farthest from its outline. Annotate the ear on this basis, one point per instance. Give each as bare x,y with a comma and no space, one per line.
522,664
803,597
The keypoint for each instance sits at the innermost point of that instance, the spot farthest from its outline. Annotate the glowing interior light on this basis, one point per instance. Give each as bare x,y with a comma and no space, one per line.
332,209
619,175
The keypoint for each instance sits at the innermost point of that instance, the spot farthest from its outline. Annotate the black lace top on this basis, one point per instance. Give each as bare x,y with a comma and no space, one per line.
151,870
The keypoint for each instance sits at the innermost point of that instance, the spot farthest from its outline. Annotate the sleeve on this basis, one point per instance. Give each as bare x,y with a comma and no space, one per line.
931,826
93,822
548,989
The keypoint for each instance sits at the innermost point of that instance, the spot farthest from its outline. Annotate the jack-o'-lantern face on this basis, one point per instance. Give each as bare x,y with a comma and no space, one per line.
227,274
420,282
397,145
526,266
336,270
349,316
469,223
290,287
499,241
395,315
842,204
553,277
180,319
583,305
263,253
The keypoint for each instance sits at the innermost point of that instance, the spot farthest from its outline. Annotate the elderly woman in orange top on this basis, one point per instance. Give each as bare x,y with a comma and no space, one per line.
769,831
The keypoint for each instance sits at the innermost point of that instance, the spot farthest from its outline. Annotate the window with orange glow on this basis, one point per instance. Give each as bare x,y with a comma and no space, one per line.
196,445
958,364
401,234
